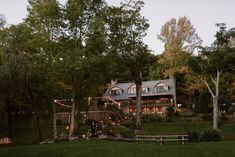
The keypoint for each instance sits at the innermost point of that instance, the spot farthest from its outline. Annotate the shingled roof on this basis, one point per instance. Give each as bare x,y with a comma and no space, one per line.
149,84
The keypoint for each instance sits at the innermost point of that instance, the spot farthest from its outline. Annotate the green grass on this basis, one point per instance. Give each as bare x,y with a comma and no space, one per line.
227,128
101,148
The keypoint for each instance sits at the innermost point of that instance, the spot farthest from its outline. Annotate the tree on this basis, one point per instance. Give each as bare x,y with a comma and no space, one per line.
126,31
180,40
15,67
2,21
211,64
44,24
81,55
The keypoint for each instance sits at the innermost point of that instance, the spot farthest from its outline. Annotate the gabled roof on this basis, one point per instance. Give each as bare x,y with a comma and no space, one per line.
149,84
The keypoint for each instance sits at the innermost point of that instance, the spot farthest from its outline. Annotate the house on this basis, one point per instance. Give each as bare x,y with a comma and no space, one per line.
157,96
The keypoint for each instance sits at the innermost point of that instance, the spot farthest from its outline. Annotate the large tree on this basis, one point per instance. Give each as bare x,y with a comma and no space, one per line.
15,68
180,39
127,27
44,23
84,42
212,63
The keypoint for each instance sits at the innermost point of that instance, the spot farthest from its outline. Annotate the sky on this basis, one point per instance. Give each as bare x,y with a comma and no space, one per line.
204,14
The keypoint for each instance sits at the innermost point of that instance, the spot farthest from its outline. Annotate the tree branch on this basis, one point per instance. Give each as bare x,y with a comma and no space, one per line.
213,80
207,85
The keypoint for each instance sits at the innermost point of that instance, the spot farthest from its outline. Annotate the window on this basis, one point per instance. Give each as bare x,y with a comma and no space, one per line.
161,88
115,91
132,90
145,90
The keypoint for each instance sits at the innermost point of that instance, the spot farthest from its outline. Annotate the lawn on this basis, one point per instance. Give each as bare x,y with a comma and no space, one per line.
102,148
98,148
227,128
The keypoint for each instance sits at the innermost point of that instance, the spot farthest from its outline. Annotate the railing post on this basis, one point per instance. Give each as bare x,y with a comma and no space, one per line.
161,141
183,140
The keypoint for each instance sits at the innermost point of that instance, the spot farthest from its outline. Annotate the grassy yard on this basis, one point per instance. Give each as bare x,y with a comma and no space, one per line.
227,128
98,148
101,148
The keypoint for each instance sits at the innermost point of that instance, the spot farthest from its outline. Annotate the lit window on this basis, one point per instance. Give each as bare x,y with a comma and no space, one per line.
132,90
161,88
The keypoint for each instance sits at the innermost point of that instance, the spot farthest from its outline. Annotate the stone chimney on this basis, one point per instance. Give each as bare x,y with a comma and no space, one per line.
113,82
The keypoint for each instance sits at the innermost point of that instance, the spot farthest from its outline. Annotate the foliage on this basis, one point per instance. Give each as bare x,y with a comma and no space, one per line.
123,131
151,118
231,109
204,136
127,27
180,39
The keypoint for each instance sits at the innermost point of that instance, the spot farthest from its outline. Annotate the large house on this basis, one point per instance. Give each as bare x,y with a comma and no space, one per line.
157,96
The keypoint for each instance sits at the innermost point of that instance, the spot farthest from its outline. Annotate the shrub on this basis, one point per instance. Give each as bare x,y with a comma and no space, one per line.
231,109
82,130
210,135
123,131
193,136
204,136
128,123
151,118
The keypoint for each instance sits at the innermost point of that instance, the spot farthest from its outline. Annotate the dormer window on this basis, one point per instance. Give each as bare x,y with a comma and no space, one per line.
145,90
132,89
161,87
115,91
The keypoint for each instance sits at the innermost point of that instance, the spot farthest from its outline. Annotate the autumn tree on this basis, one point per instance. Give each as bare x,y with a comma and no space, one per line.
180,39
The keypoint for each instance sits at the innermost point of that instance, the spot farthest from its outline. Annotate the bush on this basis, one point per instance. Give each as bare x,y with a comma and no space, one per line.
193,136
207,117
204,136
128,123
82,130
210,135
123,131
231,109
151,118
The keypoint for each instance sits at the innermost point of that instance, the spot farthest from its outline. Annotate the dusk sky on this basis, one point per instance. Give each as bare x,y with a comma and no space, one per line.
202,13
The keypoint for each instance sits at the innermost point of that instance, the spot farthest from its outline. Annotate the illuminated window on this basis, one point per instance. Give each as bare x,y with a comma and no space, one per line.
132,90
161,88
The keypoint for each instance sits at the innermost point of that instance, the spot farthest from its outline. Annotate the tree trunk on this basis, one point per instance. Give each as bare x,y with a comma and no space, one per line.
138,83
35,114
72,121
215,96
215,113
9,119
54,123
215,101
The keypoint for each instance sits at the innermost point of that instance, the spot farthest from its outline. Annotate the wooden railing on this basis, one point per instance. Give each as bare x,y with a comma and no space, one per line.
162,138
5,141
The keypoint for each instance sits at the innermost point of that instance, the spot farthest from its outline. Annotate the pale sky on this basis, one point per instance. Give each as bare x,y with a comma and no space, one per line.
202,13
